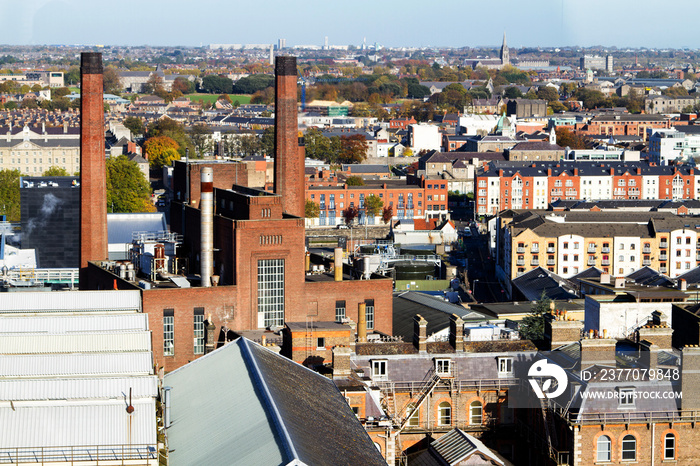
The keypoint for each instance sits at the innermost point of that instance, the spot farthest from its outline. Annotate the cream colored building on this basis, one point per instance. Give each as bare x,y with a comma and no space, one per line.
32,151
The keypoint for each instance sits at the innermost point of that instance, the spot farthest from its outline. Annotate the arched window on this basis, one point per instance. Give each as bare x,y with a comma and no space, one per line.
475,413
604,448
414,420
444,414
669,447
629,448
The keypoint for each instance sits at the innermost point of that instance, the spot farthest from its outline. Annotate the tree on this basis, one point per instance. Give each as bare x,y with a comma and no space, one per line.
56,171
567,138
353,149
111,82
532,325
174,130
58,92
311,209
200,134
29,102
387,213
184,85
253,83
215,84
246,145
9,194
373,205
134,124
407,152
354,181
350,213
161,151
512,93
128,189
267,141
155,86
547,93
72,76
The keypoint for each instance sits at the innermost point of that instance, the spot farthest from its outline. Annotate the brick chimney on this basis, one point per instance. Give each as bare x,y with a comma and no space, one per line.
597,351
289,157
561,332
93,190
457,333
420,333
690,377
341,361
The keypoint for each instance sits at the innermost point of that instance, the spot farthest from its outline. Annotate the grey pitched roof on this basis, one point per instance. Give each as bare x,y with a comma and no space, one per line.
453,448
244,404
537,281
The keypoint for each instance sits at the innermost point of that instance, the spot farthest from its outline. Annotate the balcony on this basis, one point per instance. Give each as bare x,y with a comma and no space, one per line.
646,250
663,244
550,249
535,250
605,249
663,257
535,262
605,262
591,262
550,261
520,262
322,206
591,249
520,250
663,269
648,262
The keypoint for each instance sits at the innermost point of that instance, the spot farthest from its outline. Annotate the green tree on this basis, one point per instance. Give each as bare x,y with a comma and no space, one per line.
512,93
547,93
267,141
247,144
353,149
161,151
184,85
253,83
354,181
9,194
373,205
72,76
215,84
128,190
532,325
174,130
134,124
311,209
56,171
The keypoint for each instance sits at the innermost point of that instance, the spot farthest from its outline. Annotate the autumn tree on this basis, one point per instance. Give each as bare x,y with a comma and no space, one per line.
128,190
350,213
311,209
353,148
111,82
9,194
568,138
387,213
183,85
174,130
161,151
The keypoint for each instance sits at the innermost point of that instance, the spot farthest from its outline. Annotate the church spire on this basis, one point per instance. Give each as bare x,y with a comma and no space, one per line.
505,56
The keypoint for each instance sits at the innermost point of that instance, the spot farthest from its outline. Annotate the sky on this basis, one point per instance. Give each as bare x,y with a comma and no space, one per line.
391,23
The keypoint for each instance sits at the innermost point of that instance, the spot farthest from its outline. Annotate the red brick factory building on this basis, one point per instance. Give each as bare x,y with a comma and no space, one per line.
260,273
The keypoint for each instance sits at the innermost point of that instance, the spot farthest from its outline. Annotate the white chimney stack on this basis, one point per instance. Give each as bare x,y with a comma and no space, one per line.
206,206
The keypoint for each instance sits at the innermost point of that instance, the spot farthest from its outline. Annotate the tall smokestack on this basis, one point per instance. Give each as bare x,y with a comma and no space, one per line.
289,158
338,264
206,208
93,195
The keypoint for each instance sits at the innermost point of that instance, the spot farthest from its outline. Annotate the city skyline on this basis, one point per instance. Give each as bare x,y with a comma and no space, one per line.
544,23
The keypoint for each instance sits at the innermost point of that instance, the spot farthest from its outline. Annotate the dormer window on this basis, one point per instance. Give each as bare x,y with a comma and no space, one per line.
443,367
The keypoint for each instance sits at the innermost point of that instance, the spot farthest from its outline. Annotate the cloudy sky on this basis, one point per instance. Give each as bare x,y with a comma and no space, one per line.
393,23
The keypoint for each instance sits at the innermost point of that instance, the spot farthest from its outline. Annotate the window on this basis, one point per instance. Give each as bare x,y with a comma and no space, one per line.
669,447
566,245
369,313
443,367
444,414
626,397
379,369
270,292
198,330
603,448
629,448
168,332
320,343
505,367
475,413
414,420
632,247
339,311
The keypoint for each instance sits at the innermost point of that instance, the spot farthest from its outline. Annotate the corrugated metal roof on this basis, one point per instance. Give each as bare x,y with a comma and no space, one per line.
54,424
78,388
456,445
72,343
120,227
76,364
74,323
62,301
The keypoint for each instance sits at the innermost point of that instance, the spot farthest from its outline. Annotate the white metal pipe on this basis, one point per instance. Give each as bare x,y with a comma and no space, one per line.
206,206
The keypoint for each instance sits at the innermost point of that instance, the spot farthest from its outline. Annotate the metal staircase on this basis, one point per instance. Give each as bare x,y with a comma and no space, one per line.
549,427
430,380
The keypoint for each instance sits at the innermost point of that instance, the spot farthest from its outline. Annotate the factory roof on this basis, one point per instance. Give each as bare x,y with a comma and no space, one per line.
292,413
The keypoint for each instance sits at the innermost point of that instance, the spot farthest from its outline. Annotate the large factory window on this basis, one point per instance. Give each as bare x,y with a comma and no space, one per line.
168,332
198,330
339,311
271,292
369,312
